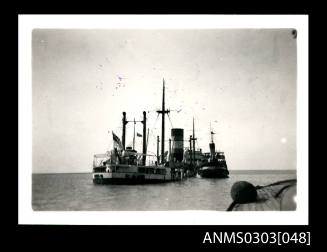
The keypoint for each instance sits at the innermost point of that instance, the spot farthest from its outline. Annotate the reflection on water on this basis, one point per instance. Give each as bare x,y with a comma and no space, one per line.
61,192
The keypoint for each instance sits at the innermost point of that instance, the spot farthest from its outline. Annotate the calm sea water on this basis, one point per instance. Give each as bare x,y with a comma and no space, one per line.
73,192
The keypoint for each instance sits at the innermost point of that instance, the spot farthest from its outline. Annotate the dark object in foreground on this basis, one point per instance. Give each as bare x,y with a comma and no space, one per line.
243,192
279,196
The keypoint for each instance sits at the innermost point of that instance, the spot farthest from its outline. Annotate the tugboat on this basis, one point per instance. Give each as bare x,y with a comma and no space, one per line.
216,166
126,166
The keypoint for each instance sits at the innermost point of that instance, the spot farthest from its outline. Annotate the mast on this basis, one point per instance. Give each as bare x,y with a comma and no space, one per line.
158,148
163,124
163,112
212,144
169,149
144,138
124,129
147,142
190,149
193,142
211,133
134,136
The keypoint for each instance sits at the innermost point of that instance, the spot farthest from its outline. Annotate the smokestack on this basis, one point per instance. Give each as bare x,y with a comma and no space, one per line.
144,137
212,150
177,136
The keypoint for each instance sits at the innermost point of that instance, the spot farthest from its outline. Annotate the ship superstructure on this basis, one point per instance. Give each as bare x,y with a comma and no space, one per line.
216,166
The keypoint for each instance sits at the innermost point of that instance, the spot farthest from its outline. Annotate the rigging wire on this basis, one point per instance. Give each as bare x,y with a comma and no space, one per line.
151,129
170,121
151,134
197,144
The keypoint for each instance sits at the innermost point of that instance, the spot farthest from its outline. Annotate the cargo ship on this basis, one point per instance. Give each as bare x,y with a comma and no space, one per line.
124,165
216,166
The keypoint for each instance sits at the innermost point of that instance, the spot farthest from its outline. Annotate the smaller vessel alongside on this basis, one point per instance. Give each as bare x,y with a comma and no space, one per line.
216,166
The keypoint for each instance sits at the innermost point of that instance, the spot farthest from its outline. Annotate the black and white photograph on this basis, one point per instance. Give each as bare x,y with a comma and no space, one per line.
164,119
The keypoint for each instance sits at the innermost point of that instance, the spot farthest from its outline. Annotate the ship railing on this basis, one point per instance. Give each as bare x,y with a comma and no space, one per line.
102,155
99,159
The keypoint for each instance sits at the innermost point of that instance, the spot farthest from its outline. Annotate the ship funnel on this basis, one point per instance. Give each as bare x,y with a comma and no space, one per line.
177,136
212,149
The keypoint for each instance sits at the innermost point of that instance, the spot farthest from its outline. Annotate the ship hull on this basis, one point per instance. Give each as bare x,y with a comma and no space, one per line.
213,172
125,174
121,181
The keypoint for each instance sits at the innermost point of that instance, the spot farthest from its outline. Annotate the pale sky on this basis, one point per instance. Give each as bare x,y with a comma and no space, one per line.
242,81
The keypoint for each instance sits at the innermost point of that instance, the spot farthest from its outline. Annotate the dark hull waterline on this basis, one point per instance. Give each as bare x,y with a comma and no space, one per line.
213,173
124,181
